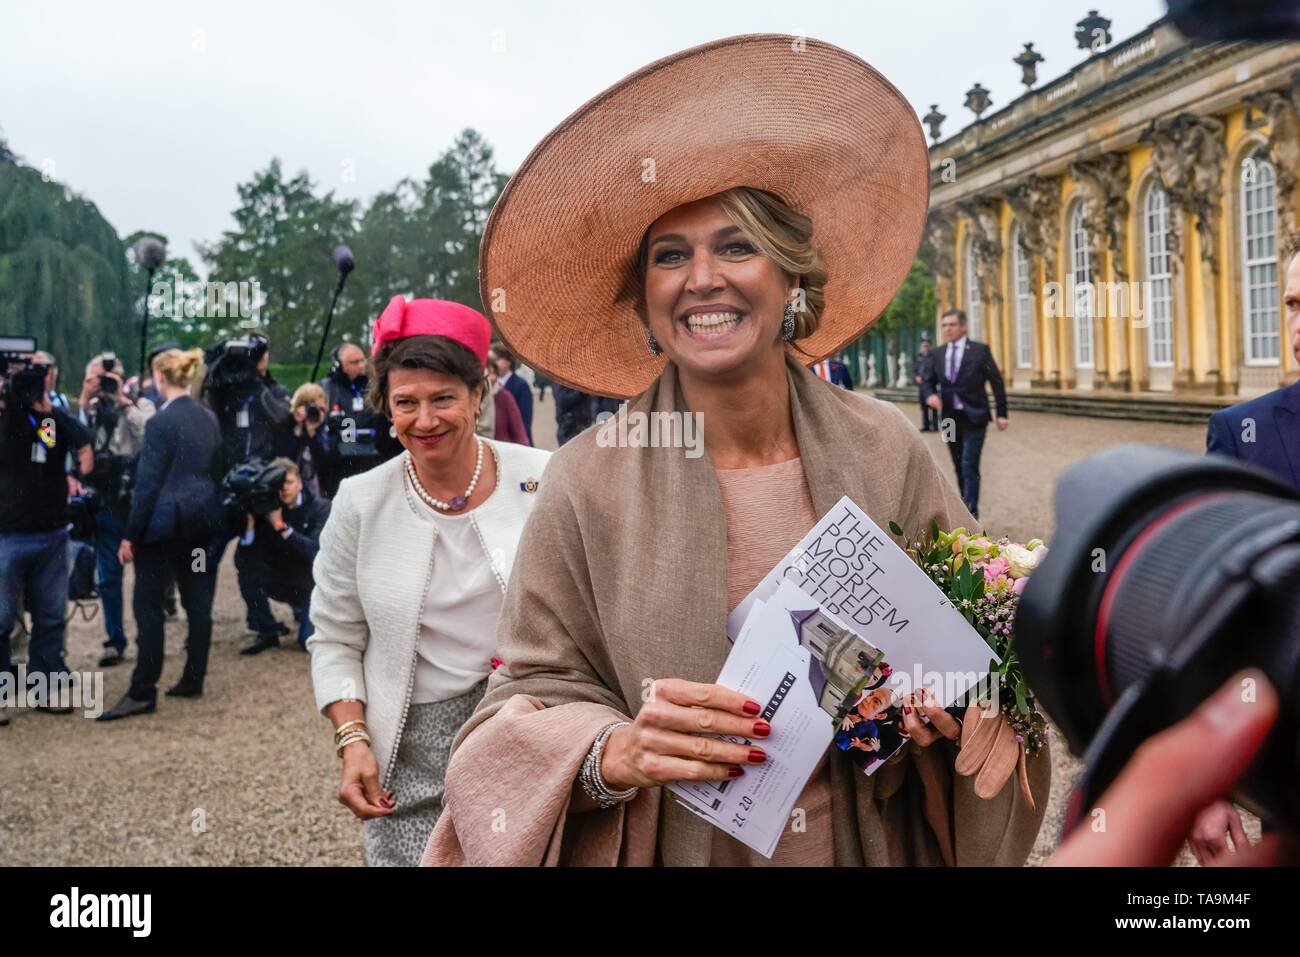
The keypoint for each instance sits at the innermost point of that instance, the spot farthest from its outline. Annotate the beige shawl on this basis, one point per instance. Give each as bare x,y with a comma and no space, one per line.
620,579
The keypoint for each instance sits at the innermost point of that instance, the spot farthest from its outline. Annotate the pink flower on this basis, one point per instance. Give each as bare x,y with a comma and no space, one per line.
1018,585
995,567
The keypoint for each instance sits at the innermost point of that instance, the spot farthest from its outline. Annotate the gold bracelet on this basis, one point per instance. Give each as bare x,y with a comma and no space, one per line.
353,737
338,732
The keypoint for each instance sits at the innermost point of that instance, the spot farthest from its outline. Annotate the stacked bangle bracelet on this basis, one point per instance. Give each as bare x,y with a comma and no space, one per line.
347,733
593,782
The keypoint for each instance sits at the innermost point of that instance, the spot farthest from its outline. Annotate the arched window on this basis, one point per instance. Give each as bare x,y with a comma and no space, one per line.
1081,273
1159,305
1024,303
974,305
1259,259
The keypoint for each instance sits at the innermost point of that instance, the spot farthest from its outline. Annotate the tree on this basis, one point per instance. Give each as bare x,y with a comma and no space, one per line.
282,241
63,271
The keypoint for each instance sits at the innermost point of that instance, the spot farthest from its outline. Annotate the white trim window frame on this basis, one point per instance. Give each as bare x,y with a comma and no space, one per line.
1261,342
1083,292
1159,269
974,303
1024,303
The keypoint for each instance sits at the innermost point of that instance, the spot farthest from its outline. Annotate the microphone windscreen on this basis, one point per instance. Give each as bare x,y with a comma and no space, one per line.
343,259
150,253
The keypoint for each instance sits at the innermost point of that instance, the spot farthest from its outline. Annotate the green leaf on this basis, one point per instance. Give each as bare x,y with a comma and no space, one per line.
934,529
1021,704
893,527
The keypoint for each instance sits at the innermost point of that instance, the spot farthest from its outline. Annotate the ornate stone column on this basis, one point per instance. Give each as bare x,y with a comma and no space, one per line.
941,233
1188,153
1104,182
986,235
1036,204
1282,108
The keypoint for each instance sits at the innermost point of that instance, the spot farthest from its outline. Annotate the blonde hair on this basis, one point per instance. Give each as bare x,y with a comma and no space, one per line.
783,236
289,465
309,393
177,368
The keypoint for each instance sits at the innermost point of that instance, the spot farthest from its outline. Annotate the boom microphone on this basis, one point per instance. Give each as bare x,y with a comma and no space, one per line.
343,259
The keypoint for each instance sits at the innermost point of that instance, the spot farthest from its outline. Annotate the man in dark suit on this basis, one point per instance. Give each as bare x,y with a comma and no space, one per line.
957,387
516,386
924,365
1266,431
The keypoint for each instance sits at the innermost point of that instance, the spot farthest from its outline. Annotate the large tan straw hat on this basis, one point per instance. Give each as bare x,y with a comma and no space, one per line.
791,115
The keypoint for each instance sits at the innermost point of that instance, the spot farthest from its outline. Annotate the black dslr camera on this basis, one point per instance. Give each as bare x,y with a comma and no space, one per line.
232,368
253,487
22,379
1169,572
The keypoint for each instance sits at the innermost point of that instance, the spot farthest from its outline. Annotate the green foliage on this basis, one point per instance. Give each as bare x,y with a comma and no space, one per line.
63,271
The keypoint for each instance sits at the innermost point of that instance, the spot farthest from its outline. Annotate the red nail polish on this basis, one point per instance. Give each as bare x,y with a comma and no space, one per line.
756,756
906,710
762,729
734,772
752,708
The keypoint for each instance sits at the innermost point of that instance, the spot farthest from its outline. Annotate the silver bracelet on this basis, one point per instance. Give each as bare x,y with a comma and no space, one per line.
592,781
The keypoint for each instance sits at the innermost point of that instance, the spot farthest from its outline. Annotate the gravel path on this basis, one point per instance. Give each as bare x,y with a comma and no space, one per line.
247,774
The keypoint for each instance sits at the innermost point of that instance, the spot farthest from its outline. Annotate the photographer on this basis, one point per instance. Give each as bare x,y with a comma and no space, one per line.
278,547
36,441
356,436
308,449
252,408
116,423
253,412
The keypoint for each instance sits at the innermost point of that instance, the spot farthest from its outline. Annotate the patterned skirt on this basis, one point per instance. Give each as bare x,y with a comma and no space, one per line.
398,839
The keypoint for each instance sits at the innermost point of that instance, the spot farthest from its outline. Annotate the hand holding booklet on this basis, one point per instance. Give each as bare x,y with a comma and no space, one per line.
828,643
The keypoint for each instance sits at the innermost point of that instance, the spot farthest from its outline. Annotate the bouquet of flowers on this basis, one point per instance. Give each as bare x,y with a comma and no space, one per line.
983,579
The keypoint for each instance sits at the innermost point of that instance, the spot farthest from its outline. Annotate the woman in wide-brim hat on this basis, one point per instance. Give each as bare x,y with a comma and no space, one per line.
692,237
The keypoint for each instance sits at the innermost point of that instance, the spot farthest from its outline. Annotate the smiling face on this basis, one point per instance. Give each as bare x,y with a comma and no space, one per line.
434,414
713,301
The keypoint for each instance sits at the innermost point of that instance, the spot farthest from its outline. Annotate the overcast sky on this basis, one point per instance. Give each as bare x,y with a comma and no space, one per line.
156,111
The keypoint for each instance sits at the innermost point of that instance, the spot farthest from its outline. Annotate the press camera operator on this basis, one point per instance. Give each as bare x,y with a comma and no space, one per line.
279,544
253,412
116,423
37,440
356,434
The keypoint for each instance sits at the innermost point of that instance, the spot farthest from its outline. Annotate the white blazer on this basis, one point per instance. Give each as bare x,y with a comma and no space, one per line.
372,575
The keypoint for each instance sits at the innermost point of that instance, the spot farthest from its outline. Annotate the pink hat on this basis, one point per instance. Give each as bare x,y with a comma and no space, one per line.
432,317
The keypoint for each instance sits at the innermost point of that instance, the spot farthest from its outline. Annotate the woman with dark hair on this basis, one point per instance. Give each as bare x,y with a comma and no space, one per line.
411,574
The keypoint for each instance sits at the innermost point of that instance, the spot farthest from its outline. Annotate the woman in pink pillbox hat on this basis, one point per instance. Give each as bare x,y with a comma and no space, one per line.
412,571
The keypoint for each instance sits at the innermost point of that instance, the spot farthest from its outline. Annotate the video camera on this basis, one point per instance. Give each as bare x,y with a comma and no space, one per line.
1169,572
22,379
232,367
107,384
253,487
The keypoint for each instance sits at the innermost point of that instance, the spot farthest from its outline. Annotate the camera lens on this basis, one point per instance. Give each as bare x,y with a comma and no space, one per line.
1168,573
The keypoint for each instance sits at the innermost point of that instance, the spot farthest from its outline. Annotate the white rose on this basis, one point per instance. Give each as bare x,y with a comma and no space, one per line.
1022,560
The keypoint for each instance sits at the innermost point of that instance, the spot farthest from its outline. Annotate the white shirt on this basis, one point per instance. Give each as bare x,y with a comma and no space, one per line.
458,626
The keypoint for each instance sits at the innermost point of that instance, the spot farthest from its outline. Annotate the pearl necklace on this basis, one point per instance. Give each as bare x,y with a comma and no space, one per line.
457,503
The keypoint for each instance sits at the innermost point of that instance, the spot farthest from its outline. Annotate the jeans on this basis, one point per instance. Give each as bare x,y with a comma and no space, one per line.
108,574
34,566
155,566
965,449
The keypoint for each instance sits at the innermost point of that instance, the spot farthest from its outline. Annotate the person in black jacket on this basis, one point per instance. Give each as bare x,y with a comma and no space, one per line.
356,437
174,516
280,547
924,366
957,387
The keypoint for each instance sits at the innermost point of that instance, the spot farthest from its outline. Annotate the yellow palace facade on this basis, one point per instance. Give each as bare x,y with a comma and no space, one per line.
1124,228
